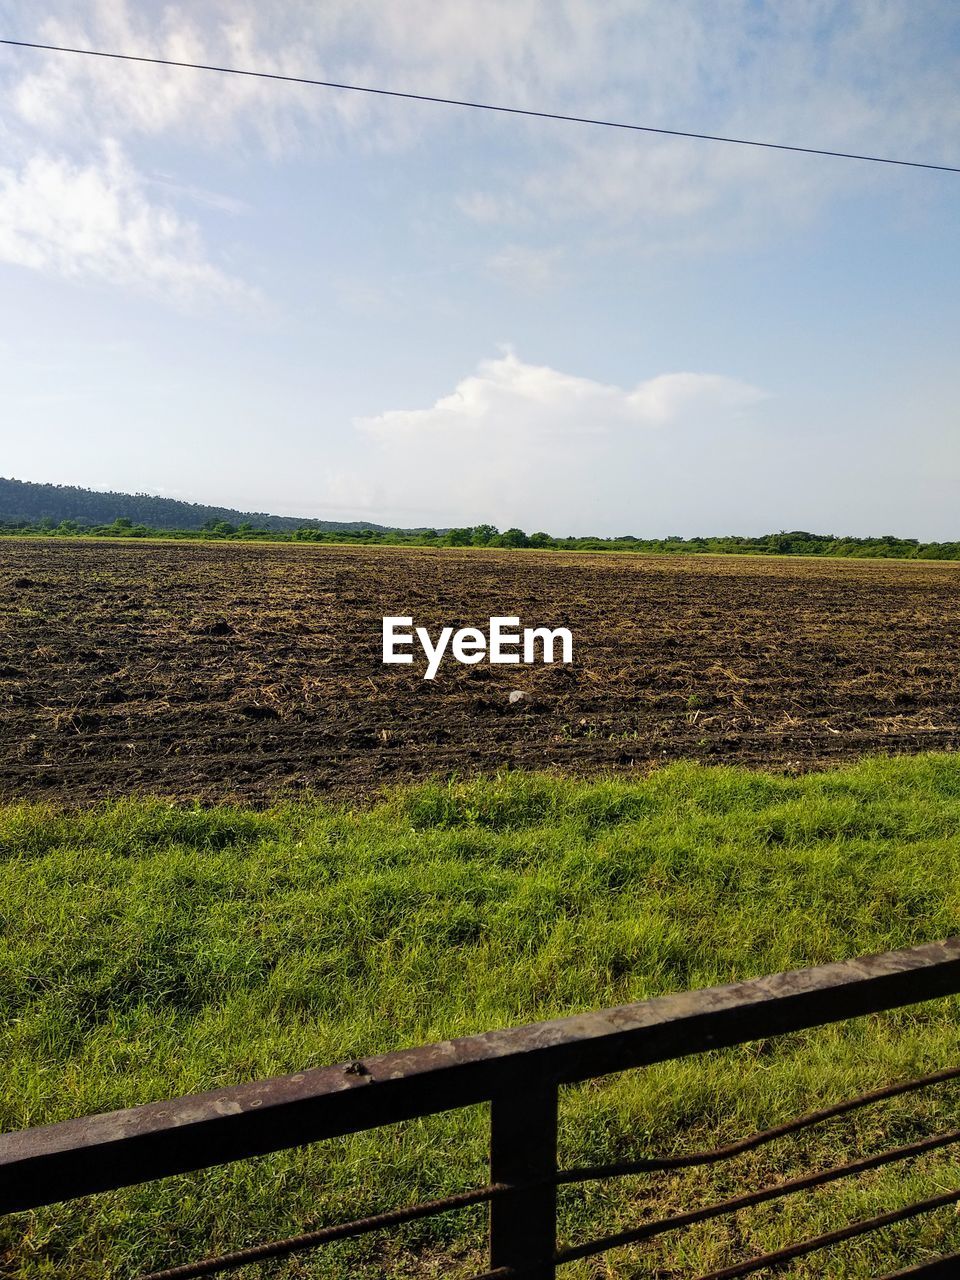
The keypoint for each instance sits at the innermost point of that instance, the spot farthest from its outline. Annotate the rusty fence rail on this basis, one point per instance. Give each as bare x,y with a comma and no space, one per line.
519,1073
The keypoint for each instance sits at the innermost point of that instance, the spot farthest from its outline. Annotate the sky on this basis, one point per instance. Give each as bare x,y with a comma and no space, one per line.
313,302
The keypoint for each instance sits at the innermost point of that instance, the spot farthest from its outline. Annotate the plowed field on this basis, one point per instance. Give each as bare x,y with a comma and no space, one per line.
219,671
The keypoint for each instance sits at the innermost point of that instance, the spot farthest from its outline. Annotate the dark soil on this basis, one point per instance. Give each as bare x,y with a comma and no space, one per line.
218,671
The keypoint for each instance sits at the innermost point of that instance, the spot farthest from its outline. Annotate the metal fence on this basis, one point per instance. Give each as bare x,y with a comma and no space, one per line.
519,1073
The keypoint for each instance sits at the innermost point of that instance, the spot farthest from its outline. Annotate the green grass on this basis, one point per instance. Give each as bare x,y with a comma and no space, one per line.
149,951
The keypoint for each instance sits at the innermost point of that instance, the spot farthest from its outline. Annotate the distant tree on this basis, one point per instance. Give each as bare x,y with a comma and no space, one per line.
459,538
513,538
483,534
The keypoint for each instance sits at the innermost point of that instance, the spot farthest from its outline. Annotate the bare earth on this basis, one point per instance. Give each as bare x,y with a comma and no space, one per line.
218,670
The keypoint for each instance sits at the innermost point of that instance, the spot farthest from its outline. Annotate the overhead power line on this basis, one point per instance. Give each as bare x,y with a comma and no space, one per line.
482,106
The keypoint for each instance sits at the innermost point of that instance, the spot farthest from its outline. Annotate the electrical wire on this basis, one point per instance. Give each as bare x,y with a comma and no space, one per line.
483,106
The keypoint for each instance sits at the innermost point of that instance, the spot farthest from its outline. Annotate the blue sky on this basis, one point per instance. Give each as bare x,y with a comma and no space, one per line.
295,300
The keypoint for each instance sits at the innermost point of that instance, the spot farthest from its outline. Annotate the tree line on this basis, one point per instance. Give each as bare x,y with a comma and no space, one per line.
796,543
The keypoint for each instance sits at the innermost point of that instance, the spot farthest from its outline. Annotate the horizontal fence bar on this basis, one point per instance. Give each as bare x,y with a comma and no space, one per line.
782,1257
522,1246
216,1265
946,1267
97,1153
690,1159
776,1191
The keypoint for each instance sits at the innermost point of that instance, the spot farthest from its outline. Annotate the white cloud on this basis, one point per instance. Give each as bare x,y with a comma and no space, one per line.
516,48
740,69
60,94
509,398
873,77
93,221
877,76
522,443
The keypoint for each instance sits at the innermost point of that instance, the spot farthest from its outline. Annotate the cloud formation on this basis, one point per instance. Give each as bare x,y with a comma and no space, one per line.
519,442
518,49
93,221
510,399
744,69
884,82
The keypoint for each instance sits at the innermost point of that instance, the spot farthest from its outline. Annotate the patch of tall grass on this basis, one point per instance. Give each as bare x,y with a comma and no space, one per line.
149,950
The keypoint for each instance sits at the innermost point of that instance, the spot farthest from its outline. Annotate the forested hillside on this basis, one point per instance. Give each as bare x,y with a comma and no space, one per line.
23,501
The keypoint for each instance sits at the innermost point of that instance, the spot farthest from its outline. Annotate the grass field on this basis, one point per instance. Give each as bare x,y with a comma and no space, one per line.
149,950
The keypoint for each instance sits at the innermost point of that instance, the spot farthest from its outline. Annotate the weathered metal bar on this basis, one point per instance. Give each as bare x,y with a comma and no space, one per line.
776,1261
938,1267
523,1151
272,1249
775,1191
689,1159
96,1153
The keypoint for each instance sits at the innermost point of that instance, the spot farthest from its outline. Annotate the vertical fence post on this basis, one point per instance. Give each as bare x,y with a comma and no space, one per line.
523,1148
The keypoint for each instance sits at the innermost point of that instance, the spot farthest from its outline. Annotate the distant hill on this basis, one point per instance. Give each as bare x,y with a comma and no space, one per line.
21,500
